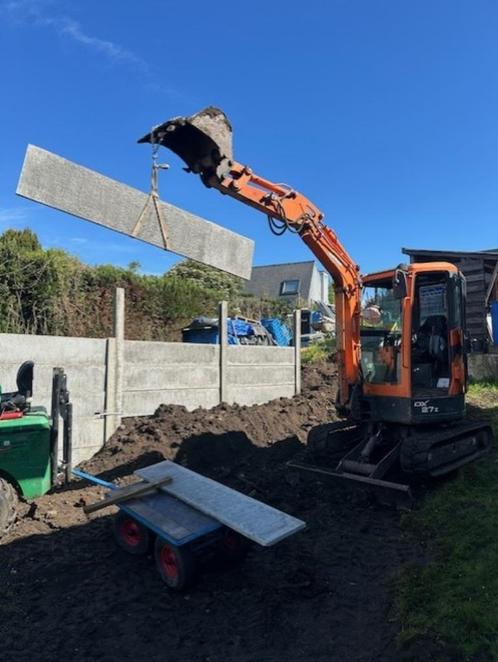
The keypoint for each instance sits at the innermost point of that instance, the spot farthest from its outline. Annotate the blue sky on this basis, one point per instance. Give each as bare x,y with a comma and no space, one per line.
383,112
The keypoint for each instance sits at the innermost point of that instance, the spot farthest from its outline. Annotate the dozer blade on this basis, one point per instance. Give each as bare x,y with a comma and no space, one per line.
386,492
202,140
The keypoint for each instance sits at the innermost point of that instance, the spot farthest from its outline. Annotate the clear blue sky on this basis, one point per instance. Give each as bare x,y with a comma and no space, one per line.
383,112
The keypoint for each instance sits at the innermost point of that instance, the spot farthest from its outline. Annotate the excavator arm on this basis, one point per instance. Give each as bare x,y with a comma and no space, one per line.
204,142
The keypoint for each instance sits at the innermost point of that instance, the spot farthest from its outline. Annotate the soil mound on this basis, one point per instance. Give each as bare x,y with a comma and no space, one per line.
219,431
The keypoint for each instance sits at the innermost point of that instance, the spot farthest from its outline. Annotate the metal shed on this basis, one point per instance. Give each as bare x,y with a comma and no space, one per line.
480,269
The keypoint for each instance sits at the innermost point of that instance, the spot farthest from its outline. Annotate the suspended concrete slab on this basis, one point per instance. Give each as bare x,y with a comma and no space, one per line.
76,190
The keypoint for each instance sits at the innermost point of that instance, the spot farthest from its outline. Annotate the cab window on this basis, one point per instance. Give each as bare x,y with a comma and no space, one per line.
381,328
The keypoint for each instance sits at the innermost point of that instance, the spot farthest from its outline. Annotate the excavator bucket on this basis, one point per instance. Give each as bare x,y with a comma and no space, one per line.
202,140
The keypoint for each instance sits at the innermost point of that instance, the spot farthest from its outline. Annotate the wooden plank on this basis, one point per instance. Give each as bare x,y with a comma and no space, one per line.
475,288
251,518
474,279
475,312
123,494
61,184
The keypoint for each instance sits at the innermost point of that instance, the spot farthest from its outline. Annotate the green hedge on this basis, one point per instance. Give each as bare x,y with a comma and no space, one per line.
52,292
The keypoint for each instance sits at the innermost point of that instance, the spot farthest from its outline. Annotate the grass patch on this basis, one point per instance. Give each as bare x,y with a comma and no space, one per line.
318,351
454,598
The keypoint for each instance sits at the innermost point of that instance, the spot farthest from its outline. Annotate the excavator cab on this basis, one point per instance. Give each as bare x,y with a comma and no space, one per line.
413,344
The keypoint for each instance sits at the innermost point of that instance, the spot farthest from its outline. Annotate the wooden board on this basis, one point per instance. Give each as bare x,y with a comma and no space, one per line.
126,493
69,187
251,518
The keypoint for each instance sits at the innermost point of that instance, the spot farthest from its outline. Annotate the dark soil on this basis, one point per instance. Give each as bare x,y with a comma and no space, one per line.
67,591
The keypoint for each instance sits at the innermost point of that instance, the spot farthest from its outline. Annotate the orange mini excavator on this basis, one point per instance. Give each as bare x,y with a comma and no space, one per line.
401,345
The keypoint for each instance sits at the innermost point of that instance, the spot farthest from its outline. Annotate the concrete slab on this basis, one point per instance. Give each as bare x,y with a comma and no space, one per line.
69,187
251,518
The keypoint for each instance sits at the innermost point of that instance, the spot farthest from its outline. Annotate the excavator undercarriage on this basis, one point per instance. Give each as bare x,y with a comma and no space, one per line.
389,459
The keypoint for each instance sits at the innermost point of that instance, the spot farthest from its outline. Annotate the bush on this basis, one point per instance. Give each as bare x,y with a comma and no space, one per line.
51,292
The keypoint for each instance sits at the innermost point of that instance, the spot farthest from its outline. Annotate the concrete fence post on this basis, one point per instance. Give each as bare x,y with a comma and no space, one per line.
297,351
119,328
223,340
115,366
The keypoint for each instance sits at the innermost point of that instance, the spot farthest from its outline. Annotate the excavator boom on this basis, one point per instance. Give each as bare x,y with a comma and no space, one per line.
204,142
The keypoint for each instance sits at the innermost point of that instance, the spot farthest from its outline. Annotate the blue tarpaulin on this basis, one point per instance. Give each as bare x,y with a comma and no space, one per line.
205,330
281,334
494,321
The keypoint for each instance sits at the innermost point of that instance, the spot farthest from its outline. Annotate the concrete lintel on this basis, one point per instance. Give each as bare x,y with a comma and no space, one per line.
56,182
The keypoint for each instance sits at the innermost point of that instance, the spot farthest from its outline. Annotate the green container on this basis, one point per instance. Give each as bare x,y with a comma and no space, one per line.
25,453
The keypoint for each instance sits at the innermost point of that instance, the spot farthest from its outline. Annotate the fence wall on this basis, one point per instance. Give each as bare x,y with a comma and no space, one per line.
84,360
483,367
112,378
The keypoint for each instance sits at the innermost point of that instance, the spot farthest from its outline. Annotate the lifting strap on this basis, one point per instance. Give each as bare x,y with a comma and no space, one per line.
153,197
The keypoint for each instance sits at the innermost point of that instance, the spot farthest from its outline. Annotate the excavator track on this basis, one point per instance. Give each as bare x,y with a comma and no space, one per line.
437,451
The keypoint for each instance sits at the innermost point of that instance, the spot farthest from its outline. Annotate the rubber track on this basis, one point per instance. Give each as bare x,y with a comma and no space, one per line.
415,449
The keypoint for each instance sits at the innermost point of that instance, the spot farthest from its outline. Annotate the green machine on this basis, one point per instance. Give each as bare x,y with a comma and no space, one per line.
29,442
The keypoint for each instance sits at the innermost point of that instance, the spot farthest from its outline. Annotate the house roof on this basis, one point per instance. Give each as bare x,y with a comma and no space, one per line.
424,252
266,280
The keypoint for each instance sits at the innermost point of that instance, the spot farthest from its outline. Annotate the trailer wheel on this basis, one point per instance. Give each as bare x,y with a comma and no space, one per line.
233,546
130,535
8,505
176,565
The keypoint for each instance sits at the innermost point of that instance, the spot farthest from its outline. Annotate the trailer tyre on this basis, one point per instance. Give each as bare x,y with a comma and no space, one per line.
176,565
130,535
233,546
8,505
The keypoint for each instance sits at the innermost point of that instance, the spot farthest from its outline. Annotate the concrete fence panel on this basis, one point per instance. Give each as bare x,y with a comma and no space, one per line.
258,374
83,359
112,378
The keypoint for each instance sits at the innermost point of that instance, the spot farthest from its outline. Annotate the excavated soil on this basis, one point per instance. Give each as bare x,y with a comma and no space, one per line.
67,591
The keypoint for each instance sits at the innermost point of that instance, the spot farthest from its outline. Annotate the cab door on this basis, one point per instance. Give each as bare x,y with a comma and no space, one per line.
457,337
385,314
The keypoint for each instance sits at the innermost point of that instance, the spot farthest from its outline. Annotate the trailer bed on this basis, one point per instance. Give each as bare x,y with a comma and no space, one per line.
193,506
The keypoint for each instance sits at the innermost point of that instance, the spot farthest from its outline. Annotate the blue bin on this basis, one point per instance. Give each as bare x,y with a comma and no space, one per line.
494,321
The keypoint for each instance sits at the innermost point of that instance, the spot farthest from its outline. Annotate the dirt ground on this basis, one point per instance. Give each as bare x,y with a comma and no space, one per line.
325,594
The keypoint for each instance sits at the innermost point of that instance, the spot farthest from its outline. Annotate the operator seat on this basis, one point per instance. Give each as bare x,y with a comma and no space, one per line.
431,347
20,399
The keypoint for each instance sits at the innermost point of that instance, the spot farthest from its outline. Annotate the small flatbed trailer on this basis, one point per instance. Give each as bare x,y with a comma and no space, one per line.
184,516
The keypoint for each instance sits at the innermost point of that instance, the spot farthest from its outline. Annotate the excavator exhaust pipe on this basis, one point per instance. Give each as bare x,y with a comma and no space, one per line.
202,140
